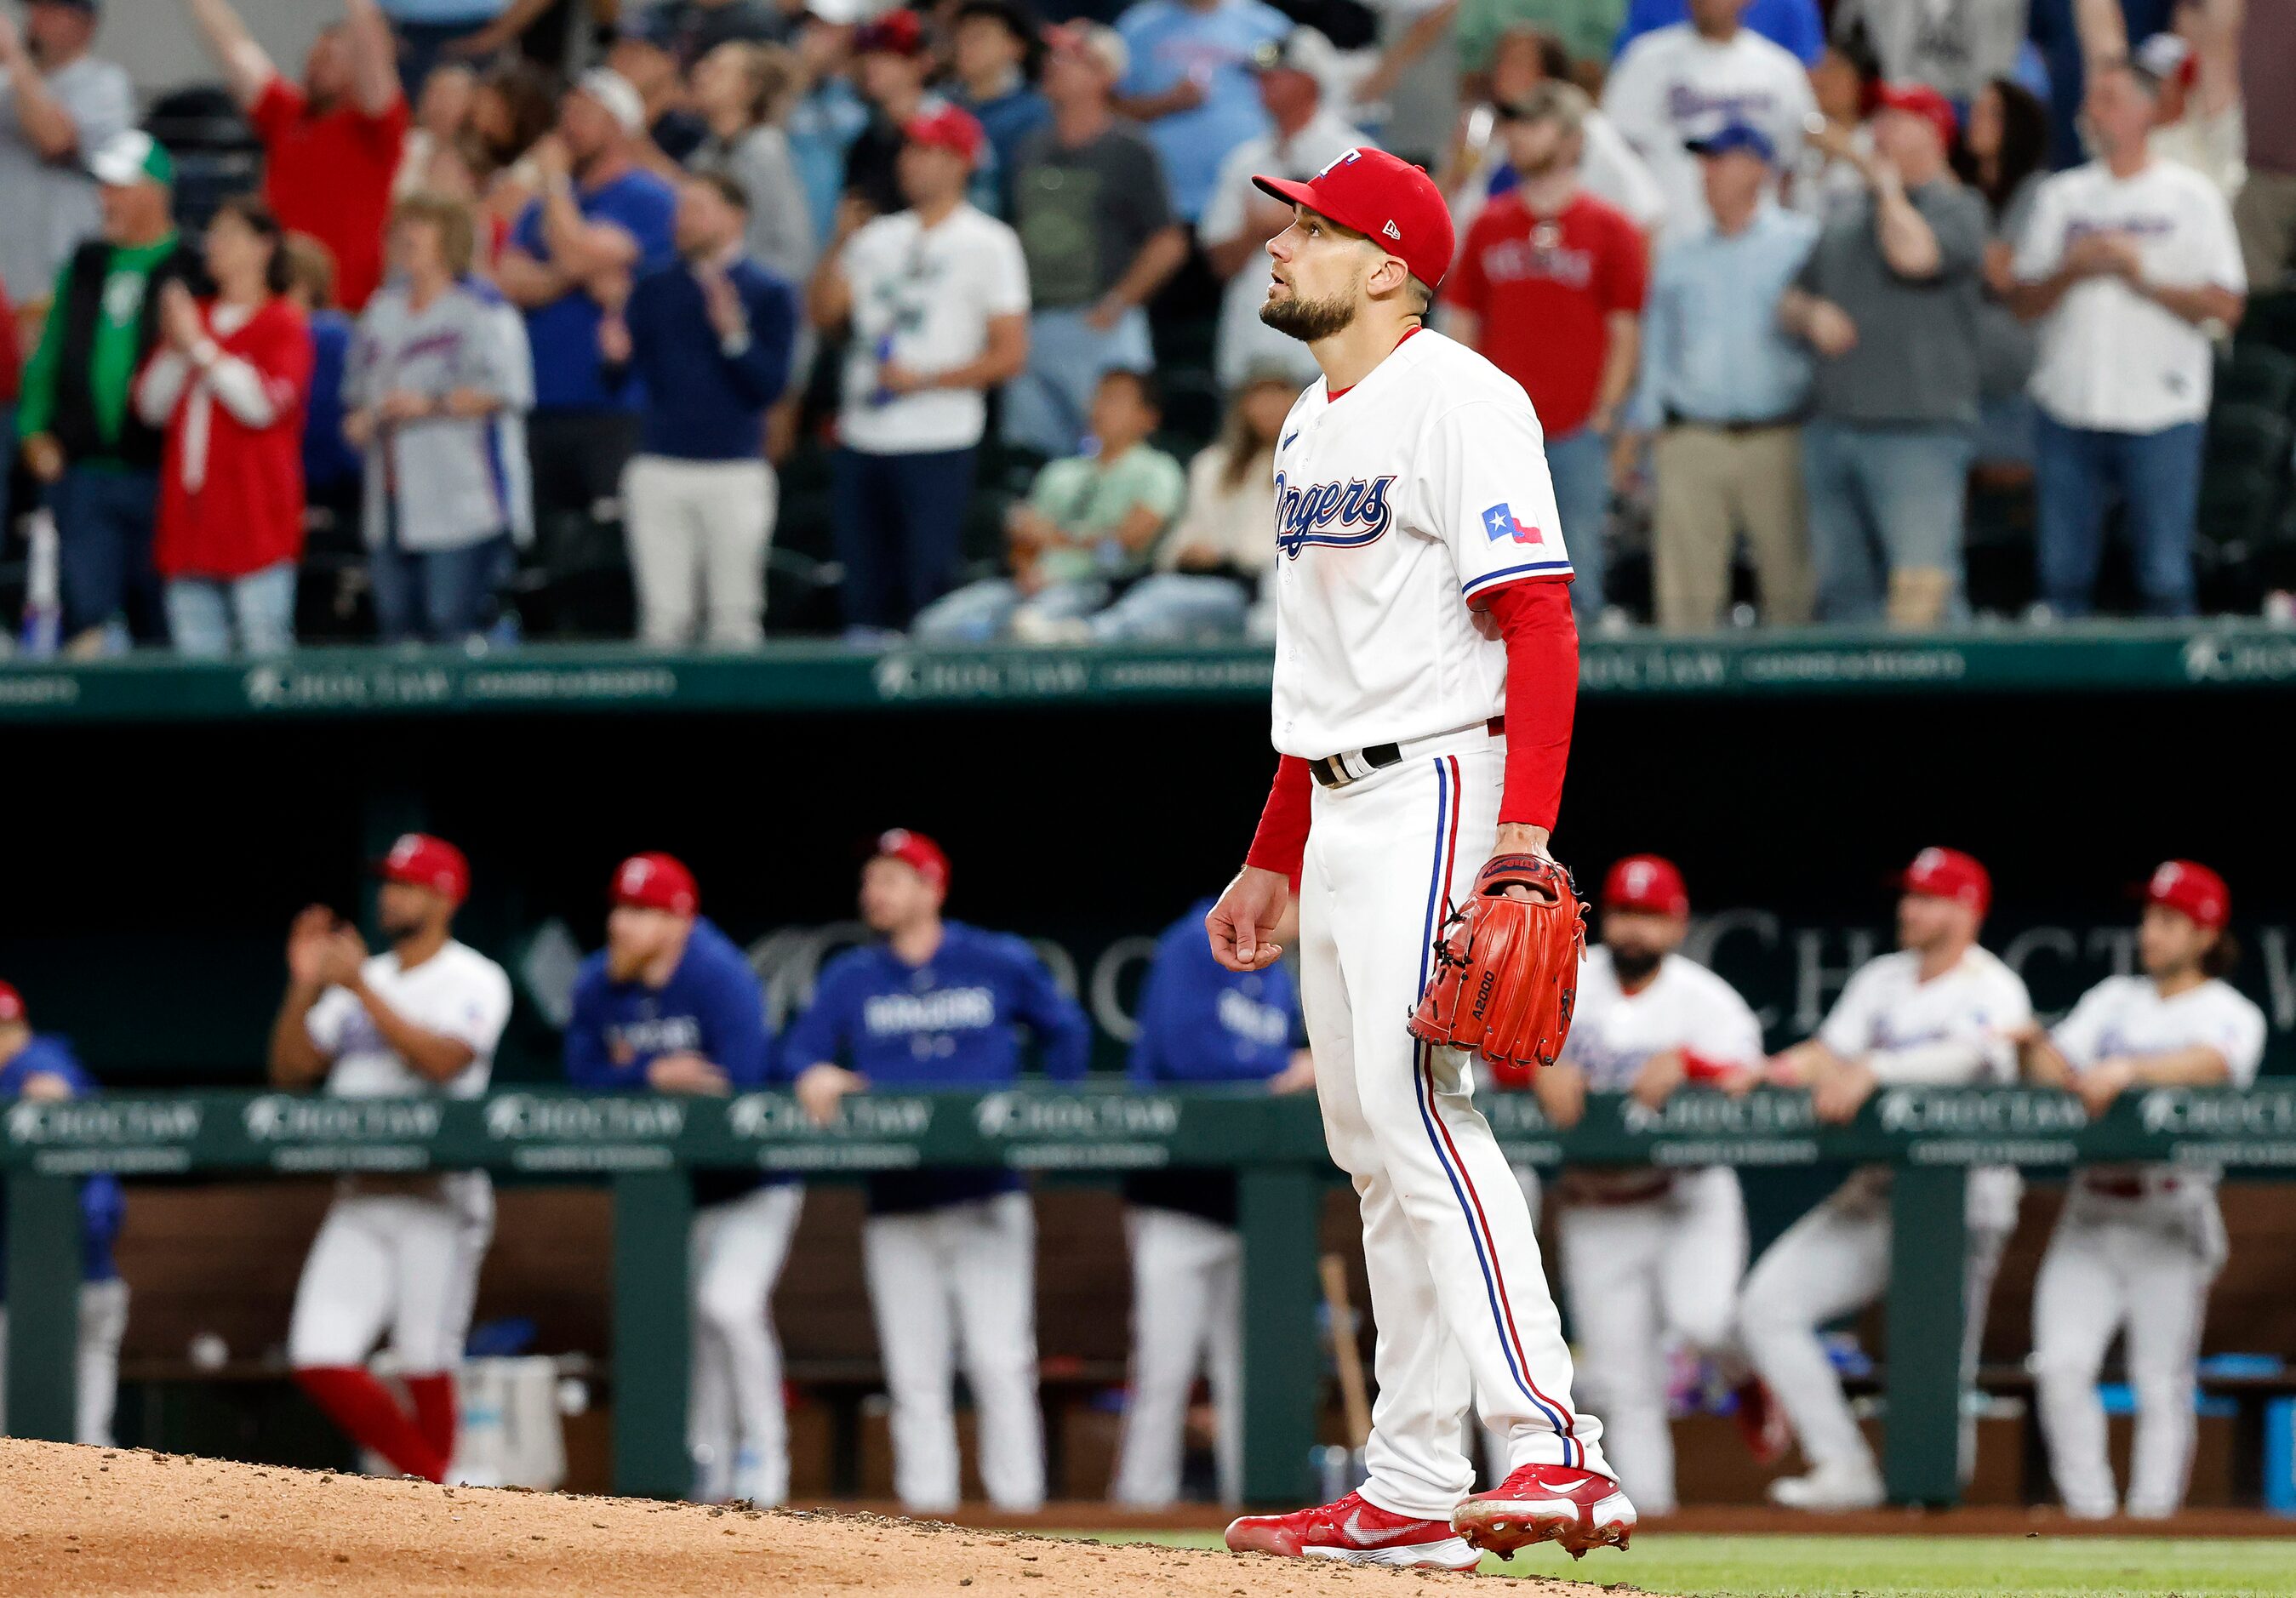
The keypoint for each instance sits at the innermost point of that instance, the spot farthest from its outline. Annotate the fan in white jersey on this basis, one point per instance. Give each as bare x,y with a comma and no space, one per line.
1939,1012
2136,1246
395,1254
1651,1259
1426,673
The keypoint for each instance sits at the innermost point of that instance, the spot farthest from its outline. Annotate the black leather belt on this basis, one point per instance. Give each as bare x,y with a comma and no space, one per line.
1378,757
1675,419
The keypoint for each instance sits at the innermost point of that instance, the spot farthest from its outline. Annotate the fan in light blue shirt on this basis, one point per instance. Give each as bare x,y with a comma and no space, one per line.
1712,348
1211,43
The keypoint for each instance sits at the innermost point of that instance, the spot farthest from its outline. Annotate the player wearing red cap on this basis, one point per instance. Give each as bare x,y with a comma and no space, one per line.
1426,672
2136,1246
950,1256
1939,1012
671,1006
396,1255
1649,1258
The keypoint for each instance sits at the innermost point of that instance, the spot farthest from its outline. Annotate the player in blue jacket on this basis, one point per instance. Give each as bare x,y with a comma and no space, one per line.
1200,1024
671,1006
950,1256
43,1069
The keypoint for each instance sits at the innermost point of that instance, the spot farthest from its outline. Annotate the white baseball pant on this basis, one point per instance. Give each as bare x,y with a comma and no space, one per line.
2145,1264
1831,1262
697,532
406,1263
1457,1289
1641,1277
734,1408
961,1275
102,1325
1187,1309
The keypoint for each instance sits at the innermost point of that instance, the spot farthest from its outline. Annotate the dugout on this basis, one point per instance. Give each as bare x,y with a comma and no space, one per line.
170,817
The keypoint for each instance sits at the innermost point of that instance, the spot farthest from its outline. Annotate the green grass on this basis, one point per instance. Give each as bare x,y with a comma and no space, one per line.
1907,1566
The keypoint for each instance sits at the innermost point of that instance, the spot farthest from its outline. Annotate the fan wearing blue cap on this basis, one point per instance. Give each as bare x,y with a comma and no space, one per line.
1721,391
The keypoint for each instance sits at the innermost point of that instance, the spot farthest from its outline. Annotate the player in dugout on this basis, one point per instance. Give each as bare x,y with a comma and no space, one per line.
1941,1012
1651,1257
40,1068
1200,1024
950,1256
670,1005
395,1254
2136,1247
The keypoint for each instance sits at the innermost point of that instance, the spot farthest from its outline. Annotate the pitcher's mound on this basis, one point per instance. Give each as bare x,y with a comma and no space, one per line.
126,1523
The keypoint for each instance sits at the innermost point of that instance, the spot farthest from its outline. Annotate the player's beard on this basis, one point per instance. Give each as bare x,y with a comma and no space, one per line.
1632,963
1310,321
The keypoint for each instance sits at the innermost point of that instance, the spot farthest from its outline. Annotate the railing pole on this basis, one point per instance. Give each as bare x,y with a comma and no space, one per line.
1929,1246
1282,1366
653,1211
43,1272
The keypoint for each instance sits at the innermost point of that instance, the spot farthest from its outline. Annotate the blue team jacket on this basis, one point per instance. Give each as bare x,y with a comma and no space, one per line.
1200,1023
954,1023
712,1005
102,1205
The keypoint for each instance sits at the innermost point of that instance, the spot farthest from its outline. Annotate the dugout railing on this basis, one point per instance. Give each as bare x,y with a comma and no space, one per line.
643,1146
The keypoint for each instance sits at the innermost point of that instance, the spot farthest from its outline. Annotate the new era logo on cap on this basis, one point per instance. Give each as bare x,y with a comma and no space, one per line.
1500,522
1383,197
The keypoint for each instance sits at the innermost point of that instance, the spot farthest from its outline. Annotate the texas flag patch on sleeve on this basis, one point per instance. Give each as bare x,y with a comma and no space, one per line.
1500,522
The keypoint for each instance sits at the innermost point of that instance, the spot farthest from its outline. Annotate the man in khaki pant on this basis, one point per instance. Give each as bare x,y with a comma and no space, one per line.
1725,387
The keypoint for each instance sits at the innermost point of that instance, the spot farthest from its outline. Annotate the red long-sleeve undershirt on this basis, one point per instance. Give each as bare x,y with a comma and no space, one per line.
1542,699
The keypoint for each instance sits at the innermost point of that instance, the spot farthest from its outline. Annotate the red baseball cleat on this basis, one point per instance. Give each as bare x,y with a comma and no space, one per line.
1762,1421
1547,1503
1356,1532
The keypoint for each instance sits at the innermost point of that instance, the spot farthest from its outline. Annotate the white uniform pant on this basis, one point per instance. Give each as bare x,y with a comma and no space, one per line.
2145,1264
963,1275
103,1325
734,1408
1457,1289
406,1263
1643,1277
1834,1261
698,532
1187,1310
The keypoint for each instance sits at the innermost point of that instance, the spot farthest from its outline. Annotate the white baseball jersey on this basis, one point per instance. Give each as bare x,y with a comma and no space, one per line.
1399,505
1887,1008
458,992
2125,1016
2109,357
1683,1006
1674,84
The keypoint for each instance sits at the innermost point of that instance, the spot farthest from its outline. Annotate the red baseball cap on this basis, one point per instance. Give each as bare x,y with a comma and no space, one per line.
1950,874
657,881
1387,200
916,850
11,1004
1649,883
422,861
2192,888
896,33
1920,100
949,127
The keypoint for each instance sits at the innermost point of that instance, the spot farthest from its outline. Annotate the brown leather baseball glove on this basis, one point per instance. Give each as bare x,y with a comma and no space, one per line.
1506,968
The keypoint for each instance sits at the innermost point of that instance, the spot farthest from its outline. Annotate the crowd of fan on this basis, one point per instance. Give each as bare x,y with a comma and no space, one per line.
1768,274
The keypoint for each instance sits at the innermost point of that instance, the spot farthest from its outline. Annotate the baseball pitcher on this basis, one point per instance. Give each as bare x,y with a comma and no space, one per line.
1426,674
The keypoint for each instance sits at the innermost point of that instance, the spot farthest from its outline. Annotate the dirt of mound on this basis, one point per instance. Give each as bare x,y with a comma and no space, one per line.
122,1522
